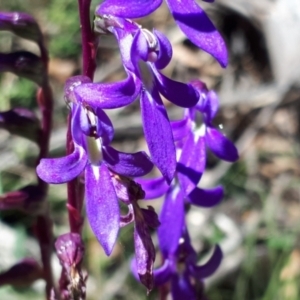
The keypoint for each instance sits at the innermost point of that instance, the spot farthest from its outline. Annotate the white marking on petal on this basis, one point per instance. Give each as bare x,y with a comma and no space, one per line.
94,150
96,172
200,132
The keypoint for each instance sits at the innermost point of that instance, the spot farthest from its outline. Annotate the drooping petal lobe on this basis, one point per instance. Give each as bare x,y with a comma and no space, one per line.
63,169
210,267
165,50
153,188
128,9
102,206
109,95
172,221
127,164
179,93
193,21
206,197
158,134
221,146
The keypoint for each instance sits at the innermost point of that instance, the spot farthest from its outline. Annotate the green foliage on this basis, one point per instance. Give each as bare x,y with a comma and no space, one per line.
64,29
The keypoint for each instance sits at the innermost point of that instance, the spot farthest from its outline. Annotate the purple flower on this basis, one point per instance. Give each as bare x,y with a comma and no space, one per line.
191,19
143,54
180,267
92,133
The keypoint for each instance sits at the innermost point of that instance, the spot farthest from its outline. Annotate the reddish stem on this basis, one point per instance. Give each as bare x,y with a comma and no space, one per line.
43,226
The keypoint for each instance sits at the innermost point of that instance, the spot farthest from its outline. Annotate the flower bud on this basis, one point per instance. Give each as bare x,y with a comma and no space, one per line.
69,249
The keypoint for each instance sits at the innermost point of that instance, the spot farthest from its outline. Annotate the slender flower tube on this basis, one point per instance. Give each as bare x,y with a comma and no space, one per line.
190,18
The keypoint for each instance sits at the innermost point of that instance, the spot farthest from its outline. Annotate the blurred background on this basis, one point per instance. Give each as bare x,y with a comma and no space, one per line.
258,222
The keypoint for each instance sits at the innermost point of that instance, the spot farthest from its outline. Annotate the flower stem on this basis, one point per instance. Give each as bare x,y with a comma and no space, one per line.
43,225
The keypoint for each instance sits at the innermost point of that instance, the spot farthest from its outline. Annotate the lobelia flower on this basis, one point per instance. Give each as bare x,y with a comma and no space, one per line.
191,159
92,133
181,266
143,54
190,18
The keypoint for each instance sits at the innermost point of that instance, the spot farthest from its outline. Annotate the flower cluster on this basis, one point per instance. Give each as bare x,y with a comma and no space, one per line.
177,148
111,177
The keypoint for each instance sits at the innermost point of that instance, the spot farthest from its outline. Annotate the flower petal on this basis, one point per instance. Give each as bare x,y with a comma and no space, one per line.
64,169
193,21
153,188
206,197
71,83
165,50
158,134
210,267
109,95
220,145
128,9
127,164
105,128
172,221
181,128
179,93
182,288
164,273
192,162
211,106
139,47
102,206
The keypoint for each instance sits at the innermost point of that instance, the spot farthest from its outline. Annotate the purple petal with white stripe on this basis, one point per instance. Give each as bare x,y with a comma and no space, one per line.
102,206
193,21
